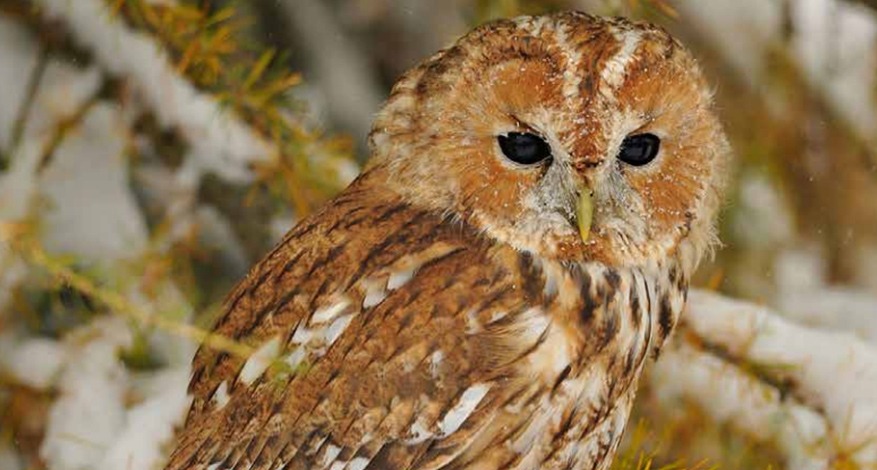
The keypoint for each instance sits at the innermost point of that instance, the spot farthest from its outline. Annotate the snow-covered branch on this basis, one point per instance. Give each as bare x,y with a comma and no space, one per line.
219,141
830,42
809,392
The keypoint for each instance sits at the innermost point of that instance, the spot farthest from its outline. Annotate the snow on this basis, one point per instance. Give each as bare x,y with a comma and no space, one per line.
63,90
34,362
18,60
834,43
805,297
216,232
280,225
88,210
91,210
739,28
219,141
831,41
89,413
12,272
107,416
832,377
762,217
91,425
728,394
833,308
149,426
799,269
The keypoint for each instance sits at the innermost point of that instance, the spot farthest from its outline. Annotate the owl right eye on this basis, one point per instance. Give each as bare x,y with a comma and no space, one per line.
640,149
524,148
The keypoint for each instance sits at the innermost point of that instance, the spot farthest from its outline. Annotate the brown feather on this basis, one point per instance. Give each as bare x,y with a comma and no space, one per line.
443,311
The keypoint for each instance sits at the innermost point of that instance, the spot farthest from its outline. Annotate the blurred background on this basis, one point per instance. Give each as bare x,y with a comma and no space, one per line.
152,150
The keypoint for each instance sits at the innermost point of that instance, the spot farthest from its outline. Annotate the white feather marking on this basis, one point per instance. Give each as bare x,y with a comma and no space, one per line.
214,466
497,316
418,432
473,326
259,361
539,423
532,323
550,287
467,403
302,335
221,397
358,463
532,24
551,357
295,358
328,313
375,295
572,78
332,452
336,328
314,341
615,69
400,278
435,363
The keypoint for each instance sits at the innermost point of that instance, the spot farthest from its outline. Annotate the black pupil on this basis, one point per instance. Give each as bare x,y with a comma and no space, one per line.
524,148
639,149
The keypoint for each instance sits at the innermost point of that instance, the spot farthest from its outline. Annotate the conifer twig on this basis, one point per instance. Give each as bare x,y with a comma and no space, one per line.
118,304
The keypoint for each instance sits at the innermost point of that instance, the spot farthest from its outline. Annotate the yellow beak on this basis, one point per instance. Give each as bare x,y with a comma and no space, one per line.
585,213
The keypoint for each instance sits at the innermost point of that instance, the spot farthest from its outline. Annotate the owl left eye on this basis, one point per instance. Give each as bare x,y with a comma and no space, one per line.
524,148
640,149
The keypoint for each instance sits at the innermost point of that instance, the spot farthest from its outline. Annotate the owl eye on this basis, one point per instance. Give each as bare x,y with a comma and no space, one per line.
524,148
640,149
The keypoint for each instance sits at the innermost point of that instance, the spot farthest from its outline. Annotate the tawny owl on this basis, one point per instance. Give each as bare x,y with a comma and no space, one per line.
486,293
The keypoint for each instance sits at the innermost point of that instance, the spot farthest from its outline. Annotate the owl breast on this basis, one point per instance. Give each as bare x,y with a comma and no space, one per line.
587,347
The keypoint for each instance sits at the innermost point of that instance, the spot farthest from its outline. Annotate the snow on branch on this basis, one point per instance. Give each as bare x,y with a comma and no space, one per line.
809,392
219,141
829,42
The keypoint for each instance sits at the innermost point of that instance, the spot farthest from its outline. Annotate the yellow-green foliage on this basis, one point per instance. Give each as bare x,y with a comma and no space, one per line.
207,42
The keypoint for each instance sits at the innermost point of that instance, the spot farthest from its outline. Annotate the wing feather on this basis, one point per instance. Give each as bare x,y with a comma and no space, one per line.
370,305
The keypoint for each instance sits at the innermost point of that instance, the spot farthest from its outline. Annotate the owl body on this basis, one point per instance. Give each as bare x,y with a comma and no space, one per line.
487,292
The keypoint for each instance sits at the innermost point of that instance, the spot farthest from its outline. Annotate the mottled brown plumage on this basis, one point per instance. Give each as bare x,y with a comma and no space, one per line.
444,311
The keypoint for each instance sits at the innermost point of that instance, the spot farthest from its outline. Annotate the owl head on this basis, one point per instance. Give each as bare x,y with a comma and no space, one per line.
570,136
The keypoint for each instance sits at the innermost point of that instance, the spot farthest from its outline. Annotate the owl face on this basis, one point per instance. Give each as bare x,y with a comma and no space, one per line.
573,137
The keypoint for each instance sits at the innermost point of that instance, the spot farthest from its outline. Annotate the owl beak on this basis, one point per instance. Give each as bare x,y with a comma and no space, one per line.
585,213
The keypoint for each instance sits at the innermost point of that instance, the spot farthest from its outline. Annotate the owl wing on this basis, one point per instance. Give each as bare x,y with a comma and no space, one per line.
384,338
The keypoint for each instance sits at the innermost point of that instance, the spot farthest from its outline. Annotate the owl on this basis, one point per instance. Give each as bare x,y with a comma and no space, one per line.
486,293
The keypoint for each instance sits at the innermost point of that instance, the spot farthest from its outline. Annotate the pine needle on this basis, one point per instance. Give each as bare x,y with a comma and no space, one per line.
118,304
